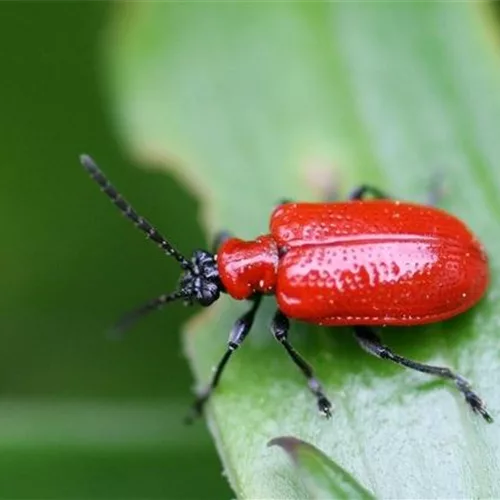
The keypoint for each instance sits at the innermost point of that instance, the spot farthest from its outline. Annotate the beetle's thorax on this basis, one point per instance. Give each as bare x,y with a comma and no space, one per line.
248,267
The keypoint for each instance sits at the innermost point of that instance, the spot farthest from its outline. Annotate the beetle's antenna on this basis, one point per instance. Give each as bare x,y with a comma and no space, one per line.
129,320
151,232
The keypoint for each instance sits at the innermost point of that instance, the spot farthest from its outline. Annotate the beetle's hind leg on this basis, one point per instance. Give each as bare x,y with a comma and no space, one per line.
361,192
280,326
372,344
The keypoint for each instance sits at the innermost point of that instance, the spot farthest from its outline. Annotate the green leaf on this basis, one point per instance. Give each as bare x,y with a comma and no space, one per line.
252,102
322,477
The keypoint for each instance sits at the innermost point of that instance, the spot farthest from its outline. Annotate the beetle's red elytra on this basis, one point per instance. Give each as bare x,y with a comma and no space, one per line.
362,263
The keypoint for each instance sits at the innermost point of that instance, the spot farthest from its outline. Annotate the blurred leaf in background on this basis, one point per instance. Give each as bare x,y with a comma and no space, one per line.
248,102
82,417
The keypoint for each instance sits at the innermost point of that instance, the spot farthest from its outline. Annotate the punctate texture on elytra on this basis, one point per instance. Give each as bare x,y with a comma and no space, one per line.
371,262
376,262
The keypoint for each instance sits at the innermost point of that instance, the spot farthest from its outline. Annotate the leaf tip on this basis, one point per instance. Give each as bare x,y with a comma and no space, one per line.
289,444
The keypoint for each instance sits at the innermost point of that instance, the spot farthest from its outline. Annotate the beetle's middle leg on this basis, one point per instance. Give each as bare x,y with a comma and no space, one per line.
372,344
280,326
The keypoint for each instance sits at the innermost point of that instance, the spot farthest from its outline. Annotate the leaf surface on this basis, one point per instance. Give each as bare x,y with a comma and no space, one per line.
254,102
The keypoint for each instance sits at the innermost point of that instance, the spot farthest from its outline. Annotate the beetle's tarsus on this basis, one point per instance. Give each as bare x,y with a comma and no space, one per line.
196,410
478,406
473,400
325,407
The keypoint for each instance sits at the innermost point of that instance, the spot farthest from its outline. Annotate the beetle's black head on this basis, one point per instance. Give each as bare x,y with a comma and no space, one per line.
200,282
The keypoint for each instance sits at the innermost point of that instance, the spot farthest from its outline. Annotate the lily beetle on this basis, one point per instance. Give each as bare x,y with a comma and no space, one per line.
369,261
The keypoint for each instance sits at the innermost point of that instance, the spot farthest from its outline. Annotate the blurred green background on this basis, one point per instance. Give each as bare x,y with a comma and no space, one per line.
80,416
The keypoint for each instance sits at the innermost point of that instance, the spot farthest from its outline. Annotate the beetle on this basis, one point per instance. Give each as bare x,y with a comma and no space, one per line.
368,261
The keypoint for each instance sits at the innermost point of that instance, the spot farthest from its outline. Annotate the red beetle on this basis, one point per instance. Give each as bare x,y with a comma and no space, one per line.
360,263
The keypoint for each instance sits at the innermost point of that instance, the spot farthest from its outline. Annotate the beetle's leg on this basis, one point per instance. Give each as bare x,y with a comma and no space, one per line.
372,344
220,238
360,193
434,197
240,330
283,201
280,326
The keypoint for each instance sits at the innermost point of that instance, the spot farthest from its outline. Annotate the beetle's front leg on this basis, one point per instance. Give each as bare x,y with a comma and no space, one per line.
239,332
280,326
372,344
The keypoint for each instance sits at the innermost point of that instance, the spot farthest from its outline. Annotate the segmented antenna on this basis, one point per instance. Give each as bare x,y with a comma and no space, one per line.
129,320
151,232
